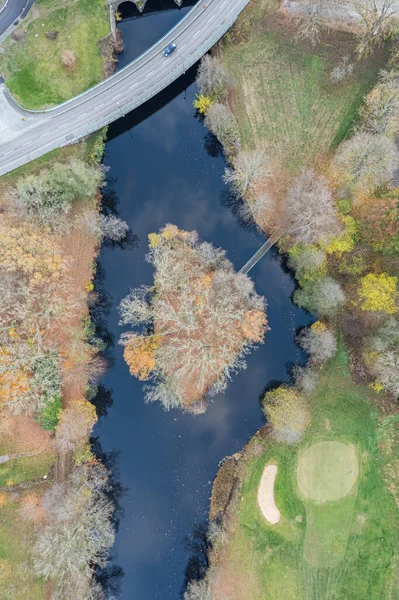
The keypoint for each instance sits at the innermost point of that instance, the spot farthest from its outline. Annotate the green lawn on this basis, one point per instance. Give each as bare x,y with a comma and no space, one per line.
16,583
335,550
32,68
284,101
19,470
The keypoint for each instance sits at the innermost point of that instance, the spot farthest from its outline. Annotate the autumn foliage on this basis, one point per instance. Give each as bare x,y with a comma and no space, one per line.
194,327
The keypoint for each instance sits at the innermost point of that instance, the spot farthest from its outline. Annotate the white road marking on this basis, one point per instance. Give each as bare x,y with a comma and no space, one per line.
81,115
209,20
27,144
223,3
195,34
63,125
182,46
149,74
47,132
9,152
132,86
117,96
99,106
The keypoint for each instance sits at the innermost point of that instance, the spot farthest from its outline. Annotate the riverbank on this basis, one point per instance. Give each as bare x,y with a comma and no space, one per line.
353,539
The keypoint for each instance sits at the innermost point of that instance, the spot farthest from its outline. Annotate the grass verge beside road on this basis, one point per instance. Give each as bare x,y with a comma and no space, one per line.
32,67
341,550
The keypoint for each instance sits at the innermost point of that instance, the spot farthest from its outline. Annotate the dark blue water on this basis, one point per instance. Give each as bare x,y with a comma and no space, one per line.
162,170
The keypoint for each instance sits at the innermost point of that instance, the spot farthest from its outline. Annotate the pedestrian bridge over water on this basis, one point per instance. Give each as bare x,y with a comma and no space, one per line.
26,135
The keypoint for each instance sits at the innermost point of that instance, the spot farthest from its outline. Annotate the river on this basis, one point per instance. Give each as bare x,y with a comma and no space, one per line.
162,168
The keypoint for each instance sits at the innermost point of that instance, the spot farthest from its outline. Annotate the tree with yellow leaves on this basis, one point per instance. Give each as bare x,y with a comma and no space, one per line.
287,413
75,424
378,293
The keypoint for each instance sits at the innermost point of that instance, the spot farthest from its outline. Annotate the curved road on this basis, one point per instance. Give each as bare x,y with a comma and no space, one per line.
11,10
25,135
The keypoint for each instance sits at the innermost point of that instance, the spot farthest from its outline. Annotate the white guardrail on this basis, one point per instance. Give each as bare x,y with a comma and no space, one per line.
139,98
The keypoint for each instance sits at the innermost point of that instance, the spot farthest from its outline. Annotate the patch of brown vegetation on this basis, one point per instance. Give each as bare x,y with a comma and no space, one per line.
223,488
109,48
68,59
21,433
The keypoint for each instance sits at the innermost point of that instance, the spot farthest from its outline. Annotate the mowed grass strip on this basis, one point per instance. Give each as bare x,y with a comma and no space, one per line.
285,101
327,471
33,69
352,551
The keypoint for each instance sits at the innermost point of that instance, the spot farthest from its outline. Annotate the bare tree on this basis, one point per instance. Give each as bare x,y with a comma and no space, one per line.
198,590
312,23
378,22
249,169
367,161
310,210
386,370
78,534
380,112
212,76
320,343
113,228
221,121
343,70
306,379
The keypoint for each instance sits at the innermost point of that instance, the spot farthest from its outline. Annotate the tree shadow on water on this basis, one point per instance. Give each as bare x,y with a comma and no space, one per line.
198,546
110,577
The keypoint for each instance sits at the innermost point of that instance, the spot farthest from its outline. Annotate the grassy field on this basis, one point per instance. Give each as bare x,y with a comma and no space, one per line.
15,582
285,101
330,550
32,68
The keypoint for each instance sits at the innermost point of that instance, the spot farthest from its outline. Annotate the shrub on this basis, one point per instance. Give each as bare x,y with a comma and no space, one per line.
202,103
379,293
319,342
46,197
287,413
221,121
343,70
50,414
323,297
308,262
367,161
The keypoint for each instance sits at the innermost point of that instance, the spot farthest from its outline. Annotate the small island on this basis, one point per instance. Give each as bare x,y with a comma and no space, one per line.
193,328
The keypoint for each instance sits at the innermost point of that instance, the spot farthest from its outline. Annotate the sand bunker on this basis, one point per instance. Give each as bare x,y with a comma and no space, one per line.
266,495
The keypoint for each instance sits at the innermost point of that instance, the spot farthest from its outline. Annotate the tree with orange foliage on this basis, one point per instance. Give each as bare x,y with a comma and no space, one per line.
139,355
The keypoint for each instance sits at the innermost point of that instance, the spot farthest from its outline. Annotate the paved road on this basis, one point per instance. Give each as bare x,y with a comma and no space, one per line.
25,135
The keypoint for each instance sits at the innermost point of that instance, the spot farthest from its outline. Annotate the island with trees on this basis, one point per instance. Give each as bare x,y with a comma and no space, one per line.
193,328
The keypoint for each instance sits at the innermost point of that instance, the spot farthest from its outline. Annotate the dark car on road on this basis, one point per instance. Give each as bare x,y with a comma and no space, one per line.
169,49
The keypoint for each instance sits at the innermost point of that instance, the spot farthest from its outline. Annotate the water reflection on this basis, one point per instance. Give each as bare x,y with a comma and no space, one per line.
162,172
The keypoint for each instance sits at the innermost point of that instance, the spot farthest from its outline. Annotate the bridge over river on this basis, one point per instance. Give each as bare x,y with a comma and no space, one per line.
26,135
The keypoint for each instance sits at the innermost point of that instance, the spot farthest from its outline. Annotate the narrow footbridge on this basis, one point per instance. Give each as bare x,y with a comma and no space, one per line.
26,135
273,239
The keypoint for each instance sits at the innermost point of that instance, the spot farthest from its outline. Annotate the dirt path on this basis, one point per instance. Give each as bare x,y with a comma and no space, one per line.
266,495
